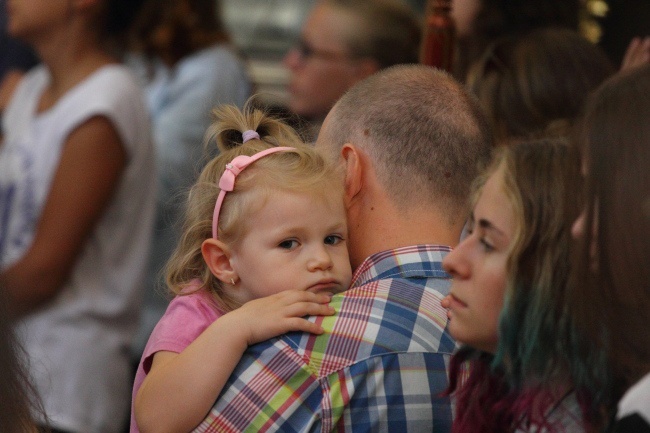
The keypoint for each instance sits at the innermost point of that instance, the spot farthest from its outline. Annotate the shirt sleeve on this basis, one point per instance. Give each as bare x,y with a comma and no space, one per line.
185,319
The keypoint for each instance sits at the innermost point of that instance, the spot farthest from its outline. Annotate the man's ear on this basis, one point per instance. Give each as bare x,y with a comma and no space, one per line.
353,163
217,256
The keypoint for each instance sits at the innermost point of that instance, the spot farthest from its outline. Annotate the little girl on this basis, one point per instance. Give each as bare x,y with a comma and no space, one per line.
261,219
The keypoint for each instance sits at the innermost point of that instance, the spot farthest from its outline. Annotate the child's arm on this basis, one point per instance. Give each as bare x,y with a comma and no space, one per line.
181,388
89,171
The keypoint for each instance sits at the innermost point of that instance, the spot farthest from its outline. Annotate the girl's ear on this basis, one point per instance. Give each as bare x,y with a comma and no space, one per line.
217,256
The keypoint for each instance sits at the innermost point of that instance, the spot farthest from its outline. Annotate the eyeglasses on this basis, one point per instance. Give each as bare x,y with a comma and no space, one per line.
306,52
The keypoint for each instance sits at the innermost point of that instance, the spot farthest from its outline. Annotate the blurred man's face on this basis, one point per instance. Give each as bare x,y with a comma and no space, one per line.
321,66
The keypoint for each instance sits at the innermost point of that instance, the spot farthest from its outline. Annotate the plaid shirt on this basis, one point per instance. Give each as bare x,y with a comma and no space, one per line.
380,366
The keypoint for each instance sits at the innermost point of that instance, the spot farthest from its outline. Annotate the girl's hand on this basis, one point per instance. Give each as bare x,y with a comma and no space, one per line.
181,387
264,318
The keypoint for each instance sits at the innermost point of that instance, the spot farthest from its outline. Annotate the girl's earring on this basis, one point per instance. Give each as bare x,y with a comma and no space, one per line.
232,281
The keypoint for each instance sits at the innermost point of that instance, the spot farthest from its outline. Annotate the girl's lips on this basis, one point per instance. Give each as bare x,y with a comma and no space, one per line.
331,287
455,303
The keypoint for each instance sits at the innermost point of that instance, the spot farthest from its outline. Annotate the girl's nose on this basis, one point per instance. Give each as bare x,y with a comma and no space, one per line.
455,263
320,260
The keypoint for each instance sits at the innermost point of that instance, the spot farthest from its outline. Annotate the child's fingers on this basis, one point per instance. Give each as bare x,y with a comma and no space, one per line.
304,325
301,309
290,297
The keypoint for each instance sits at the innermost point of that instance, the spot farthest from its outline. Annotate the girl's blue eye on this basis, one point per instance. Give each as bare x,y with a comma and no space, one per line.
289,244
332,239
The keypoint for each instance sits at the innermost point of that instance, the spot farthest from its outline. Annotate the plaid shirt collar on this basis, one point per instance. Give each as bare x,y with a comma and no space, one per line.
417,261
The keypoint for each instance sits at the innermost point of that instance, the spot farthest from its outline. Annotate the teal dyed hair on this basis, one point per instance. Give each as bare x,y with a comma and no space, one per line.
541,179
537,334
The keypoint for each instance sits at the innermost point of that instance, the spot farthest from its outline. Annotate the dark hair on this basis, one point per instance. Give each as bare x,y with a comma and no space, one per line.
114,21
120,14
611,294
535,86
192,24
17,397
499,18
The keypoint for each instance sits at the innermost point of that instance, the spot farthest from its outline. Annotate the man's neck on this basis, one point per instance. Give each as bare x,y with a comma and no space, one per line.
378,228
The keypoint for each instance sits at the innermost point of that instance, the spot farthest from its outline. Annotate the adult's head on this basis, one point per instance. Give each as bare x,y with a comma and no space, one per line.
409,140
520,212
612,291
535,86
106,21
173,29
344,41
481,22
510,276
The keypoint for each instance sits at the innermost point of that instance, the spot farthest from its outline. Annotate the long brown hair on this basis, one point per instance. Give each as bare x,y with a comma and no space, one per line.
611,295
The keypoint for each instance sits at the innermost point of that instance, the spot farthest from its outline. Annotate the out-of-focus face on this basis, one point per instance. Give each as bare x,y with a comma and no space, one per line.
478,267
296,241
464,12
321,66
35,20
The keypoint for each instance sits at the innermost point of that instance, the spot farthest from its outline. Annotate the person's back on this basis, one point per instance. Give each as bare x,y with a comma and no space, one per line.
343,42
187,72
381,363
77,193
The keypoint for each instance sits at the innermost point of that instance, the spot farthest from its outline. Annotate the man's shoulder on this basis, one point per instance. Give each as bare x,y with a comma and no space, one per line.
386,341
381,318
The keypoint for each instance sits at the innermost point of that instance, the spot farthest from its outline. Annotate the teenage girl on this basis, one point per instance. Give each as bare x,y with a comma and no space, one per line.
261,219
510,277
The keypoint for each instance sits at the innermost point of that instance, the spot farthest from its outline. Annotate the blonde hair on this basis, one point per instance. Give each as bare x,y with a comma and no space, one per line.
300,170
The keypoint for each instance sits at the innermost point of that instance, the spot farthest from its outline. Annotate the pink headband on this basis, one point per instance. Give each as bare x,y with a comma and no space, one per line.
227,181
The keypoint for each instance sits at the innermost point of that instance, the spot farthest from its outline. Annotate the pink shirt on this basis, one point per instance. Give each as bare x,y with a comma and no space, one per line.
187,316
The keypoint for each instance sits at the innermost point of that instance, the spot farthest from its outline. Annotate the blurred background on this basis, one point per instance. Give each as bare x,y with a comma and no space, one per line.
264,30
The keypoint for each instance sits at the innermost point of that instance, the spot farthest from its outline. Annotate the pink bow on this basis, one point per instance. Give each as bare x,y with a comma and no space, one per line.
227,181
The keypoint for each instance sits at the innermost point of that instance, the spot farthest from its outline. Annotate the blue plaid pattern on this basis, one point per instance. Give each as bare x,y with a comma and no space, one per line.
380,366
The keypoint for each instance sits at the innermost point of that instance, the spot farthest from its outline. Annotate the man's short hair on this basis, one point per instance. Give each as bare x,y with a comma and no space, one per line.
426,135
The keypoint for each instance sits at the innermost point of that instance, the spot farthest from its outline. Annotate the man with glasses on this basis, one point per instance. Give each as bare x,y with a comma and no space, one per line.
343,42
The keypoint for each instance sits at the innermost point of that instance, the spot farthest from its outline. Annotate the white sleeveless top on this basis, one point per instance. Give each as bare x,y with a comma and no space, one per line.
78,343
